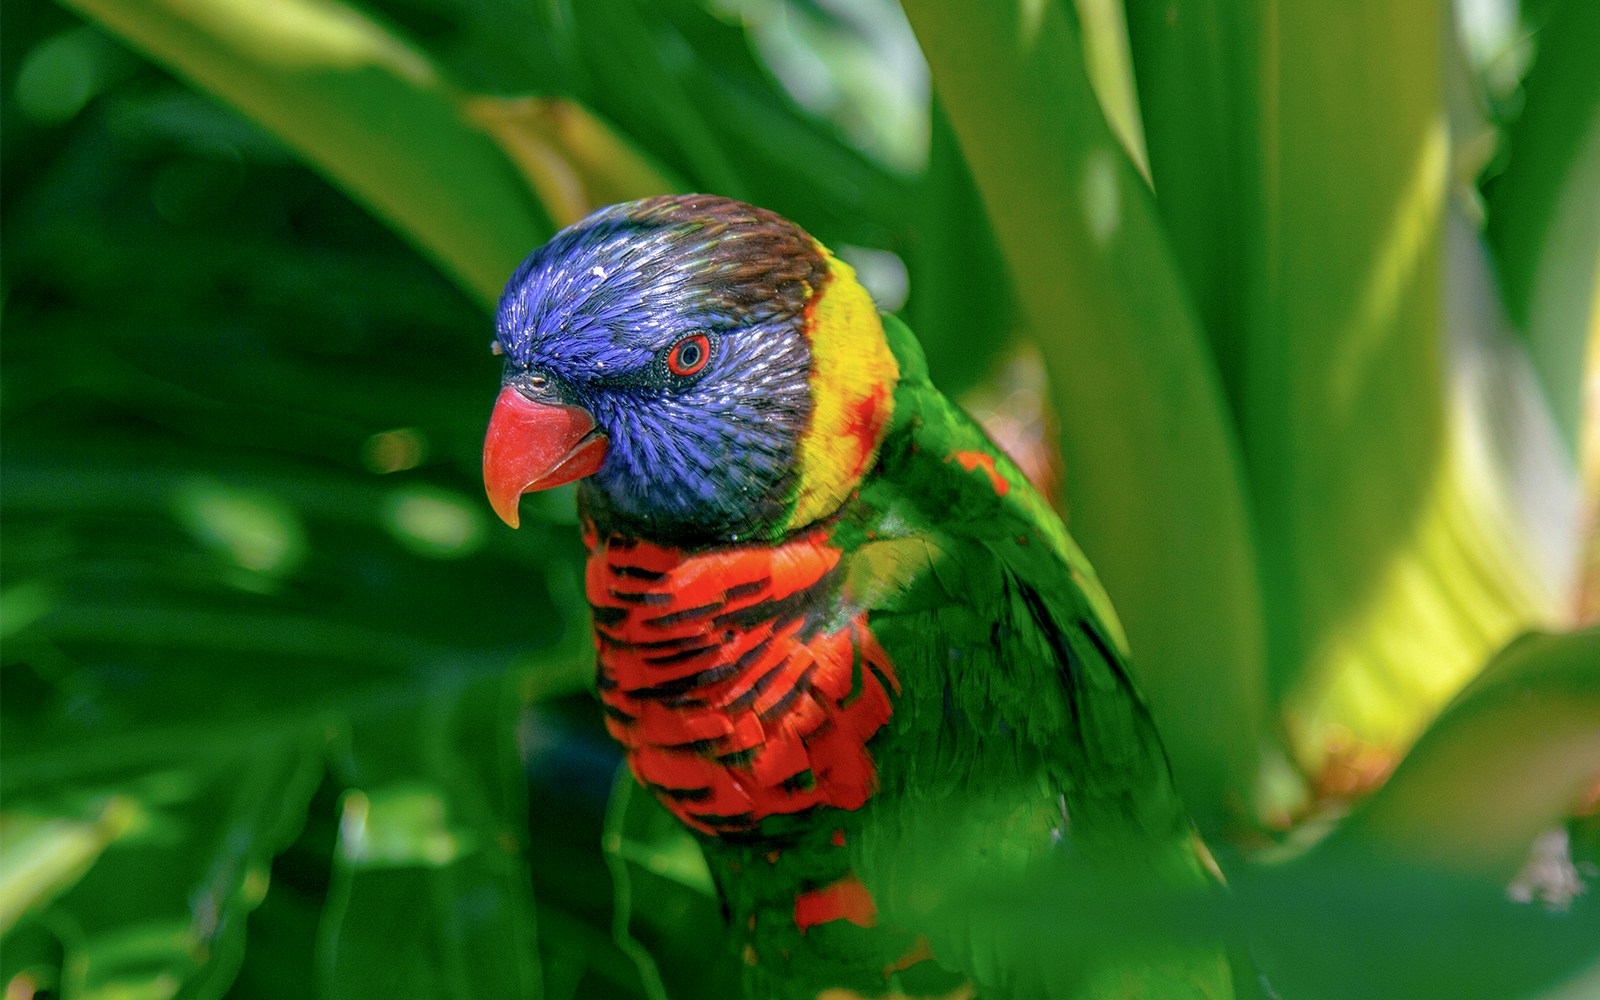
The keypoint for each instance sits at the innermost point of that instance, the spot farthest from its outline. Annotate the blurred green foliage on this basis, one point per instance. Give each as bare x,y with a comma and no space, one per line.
287,713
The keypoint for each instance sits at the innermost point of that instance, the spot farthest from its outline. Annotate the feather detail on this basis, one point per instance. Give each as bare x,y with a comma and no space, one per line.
734,693
846,899
859,655
853,375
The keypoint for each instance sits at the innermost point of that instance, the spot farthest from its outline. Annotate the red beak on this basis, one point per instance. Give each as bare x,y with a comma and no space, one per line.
534,446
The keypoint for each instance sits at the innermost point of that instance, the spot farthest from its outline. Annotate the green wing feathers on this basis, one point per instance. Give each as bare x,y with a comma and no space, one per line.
1019,752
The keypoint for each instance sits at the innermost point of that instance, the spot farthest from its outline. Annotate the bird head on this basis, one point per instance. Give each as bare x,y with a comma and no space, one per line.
707,369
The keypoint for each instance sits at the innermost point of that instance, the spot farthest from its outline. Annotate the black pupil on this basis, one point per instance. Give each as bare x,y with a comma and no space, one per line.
688,354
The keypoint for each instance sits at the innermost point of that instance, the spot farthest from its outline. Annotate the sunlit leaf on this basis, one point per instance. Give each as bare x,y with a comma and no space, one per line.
436,523
1509,758
1394,518
1544,210
574,160
1392,548
41,856
1144,430
254,532
1103,26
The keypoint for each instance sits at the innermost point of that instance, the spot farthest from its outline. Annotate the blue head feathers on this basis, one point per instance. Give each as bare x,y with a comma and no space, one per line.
678,323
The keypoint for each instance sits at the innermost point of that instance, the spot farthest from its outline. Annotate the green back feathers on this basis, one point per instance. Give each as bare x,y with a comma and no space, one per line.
938,419
1018,751
998,620
1019,744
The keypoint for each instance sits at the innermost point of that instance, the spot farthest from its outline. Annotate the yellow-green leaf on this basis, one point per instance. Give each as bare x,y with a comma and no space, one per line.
1509,758
1395,549
570,156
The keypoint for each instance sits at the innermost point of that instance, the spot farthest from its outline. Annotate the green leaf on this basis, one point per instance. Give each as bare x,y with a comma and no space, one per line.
1509,758
1392,557
961,306
667,916
1103,25
1468,834
633,52
1336,927
1544,210
431,895
686,85
1187,62
365,107
203,560
1409,525
1144,427
573,159
179,610
42,856
148,882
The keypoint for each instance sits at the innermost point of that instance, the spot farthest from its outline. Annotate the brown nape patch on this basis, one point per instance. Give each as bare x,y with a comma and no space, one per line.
750,260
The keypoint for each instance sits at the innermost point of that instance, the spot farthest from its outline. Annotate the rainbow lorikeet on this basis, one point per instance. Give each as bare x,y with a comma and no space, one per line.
839,635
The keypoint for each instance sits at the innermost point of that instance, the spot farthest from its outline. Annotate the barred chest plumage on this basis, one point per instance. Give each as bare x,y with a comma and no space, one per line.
737,688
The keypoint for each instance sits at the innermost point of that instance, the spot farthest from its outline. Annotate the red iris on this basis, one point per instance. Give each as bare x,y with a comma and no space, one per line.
689,355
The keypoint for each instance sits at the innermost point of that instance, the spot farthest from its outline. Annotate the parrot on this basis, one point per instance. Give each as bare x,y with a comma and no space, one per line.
838,634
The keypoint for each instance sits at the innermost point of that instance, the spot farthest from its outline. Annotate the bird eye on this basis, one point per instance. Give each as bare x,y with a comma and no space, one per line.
689,355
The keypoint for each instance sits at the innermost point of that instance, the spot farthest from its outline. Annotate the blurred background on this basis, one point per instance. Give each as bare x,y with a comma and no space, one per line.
1303,302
